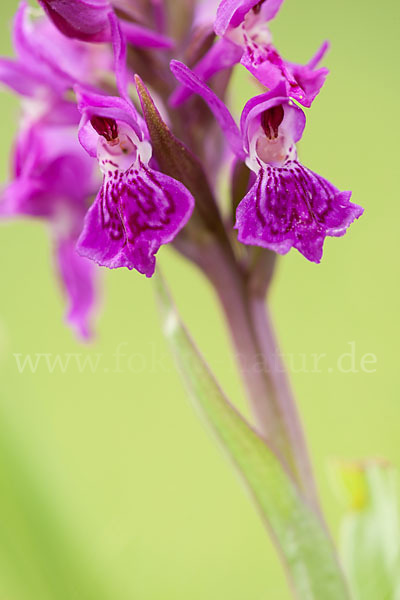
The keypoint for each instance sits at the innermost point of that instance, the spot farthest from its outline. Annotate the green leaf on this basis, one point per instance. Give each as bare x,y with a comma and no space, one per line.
303,543
370,534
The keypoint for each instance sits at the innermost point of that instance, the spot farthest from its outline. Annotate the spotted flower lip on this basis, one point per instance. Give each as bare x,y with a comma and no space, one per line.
137,209
288,206
245,38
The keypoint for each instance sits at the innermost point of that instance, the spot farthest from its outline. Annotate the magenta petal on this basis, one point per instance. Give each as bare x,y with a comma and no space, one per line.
319,55
33,50
309,79
25,197
222,55
141,37
295,119
80,19
231,13
291,206
310,83
205,13
78,278
221,112
113,107
90,103
20,78
302,82
53,176
55,61
119,47
133,215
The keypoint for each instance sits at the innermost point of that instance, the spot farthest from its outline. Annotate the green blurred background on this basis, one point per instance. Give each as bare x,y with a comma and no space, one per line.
110,487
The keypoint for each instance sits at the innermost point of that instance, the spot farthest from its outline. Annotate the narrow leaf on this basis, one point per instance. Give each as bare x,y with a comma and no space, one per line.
303,543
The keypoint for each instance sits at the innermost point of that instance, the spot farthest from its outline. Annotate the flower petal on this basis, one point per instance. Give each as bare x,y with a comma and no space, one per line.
133,215
120,51
222,55
78,278
47,53
309,79
231,13
80,19
302,82
53,177
141,37
20,78
294,121
205,13
221,112
291,206
113,107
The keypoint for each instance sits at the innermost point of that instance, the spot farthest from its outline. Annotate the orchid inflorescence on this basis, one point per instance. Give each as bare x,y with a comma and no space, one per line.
115,180
126,144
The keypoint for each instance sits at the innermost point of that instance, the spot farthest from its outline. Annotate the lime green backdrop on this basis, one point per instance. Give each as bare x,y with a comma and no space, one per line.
109,474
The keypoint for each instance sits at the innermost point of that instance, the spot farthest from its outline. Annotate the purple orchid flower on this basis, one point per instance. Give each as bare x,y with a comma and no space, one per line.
245,23
48,162
137,208
288,206
89,21
242,26
48,159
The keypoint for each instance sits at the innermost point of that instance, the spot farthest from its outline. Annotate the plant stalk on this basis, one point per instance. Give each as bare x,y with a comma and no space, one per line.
261,367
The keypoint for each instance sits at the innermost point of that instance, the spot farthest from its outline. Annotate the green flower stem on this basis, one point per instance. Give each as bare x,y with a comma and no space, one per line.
262,370
304,546
270,351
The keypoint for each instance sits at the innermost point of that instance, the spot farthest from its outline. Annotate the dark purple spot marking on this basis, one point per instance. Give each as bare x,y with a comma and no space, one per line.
133,203
106,127
293,201
257,7
271,119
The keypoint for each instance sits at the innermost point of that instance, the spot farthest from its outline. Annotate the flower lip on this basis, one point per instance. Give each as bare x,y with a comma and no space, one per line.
105,127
